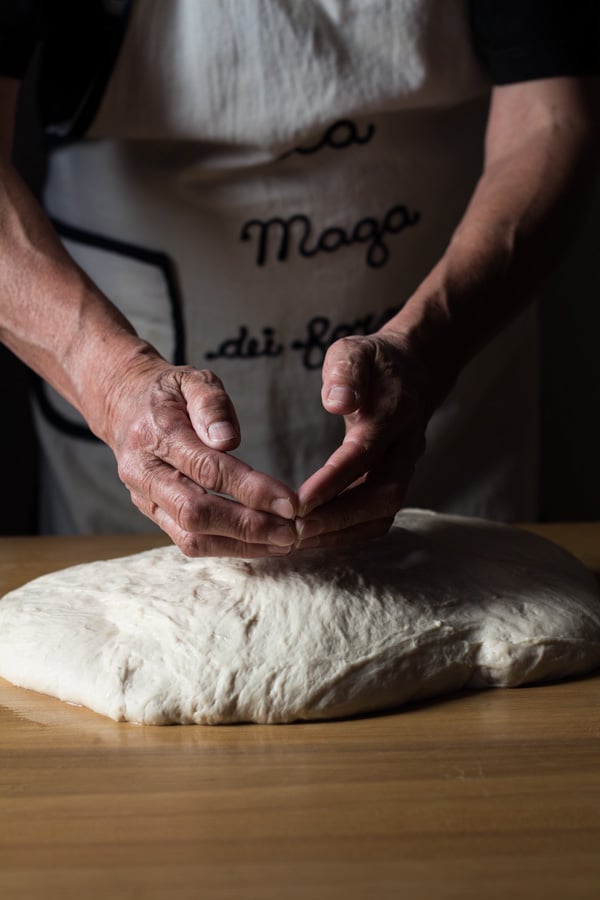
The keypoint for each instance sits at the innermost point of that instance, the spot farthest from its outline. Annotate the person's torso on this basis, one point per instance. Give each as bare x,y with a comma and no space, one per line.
264,177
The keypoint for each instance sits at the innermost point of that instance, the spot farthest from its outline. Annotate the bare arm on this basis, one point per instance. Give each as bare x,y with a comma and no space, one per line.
46,302
539,160
168,426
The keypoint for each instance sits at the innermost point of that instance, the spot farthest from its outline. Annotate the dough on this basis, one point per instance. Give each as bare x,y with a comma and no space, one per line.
439,604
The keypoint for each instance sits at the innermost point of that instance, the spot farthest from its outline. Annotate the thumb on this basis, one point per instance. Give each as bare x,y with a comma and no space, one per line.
346,376
210,410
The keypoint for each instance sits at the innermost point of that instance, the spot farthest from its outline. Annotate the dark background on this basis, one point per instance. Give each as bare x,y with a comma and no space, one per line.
18,448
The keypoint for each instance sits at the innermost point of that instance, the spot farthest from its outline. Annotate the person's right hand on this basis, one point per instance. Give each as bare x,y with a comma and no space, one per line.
170,428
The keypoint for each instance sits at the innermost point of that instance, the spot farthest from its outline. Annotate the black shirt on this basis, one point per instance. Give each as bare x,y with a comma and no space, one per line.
519,40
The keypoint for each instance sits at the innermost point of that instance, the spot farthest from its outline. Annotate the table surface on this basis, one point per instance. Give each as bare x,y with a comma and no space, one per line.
479,795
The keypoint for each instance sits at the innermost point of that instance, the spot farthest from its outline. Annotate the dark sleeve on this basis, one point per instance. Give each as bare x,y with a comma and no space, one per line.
21,27
519,40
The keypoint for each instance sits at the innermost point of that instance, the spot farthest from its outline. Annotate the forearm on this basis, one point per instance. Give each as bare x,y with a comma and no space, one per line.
521,216
51,315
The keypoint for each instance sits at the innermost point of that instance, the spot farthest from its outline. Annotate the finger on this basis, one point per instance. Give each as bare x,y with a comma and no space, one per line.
357,454
346,376
366,531
193,510
195,544
210,409
171,439
224,474
368,501
366,448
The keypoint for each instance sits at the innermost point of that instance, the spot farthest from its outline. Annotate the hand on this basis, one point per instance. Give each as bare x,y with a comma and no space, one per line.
170,428
376,383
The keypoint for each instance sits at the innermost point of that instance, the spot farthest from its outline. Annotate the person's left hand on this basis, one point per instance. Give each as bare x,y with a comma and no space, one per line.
379,387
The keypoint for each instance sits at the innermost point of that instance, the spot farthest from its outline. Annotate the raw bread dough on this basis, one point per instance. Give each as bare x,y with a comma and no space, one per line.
439,604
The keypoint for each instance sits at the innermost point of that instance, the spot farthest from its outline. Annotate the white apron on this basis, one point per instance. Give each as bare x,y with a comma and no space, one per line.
261,179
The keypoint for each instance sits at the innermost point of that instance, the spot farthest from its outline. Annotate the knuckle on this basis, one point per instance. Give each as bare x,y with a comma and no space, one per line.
188,544
347,344
205,390
188,513
345,354
192,545
208,471
151,434
249,488
204,377
246,526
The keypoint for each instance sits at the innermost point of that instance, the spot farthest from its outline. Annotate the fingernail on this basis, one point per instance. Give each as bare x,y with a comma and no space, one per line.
308,528
283,508
272,550
221,431
344,396
282,536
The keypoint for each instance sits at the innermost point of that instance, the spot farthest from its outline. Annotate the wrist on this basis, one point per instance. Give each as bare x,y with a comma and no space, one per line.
458,308
427,333
105,378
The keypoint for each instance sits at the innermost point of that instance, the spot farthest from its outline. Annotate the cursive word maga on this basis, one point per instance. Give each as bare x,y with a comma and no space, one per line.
296,232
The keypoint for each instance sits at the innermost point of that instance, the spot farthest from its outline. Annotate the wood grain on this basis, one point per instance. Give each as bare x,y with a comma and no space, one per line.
481,795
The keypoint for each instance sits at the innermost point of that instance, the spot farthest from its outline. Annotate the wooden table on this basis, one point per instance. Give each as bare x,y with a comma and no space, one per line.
482,795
